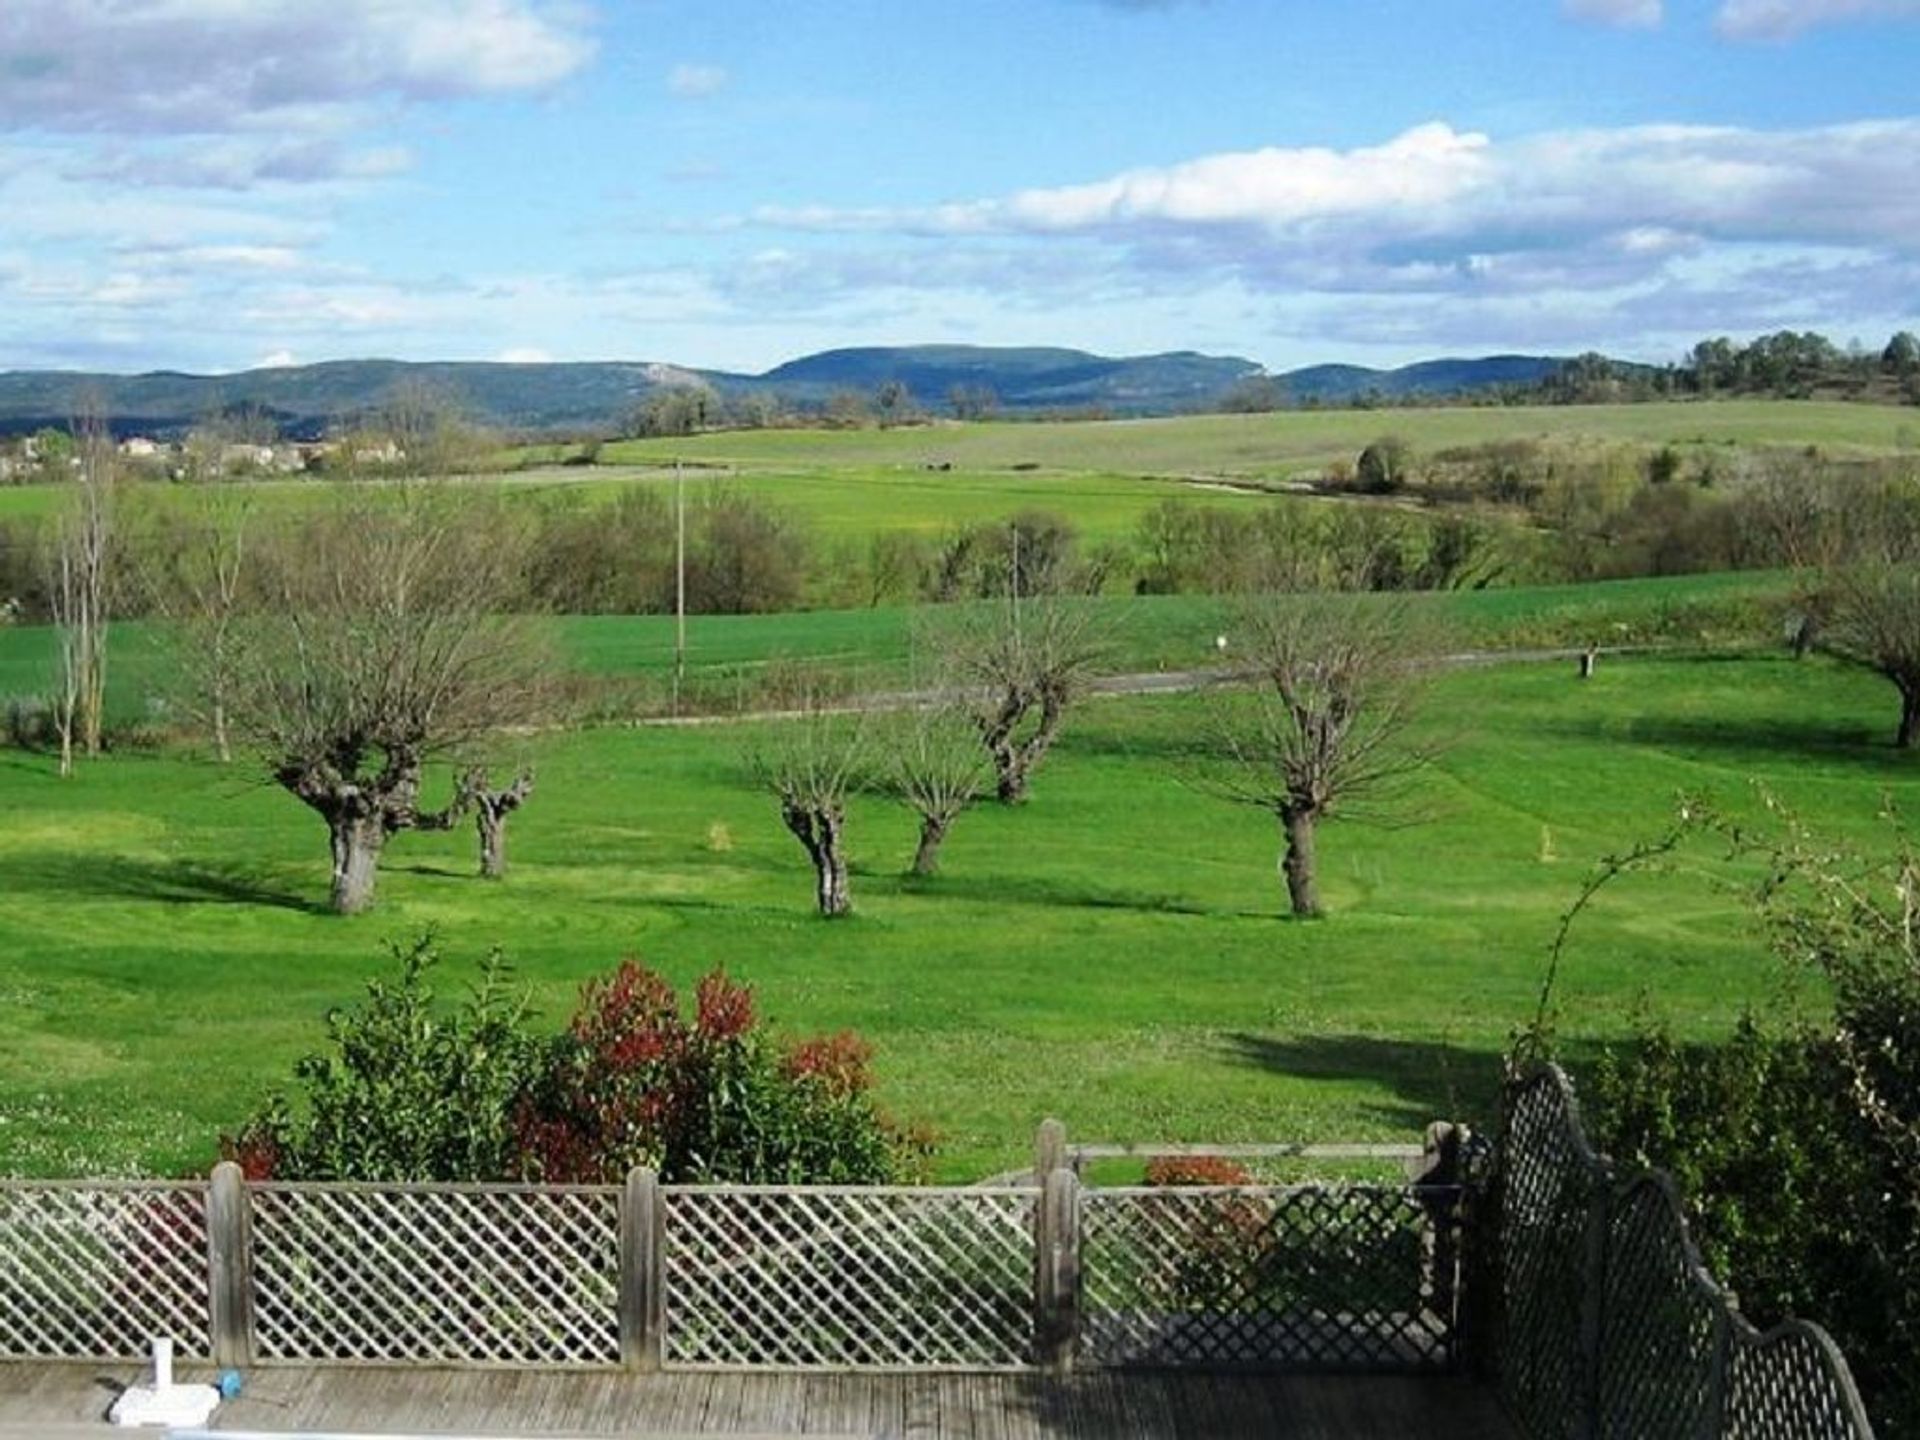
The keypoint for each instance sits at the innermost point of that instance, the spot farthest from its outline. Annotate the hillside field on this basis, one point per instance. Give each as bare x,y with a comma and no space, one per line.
1114,953
1102,475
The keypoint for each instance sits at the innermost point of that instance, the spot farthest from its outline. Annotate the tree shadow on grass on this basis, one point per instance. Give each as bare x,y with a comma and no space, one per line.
1426,1080
171,882
1029,890
1744,740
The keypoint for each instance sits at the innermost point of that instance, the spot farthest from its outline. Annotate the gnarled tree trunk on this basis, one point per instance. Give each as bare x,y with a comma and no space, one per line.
491,809
818,828
1297,863
933,830
1909,714
357,839
1014,761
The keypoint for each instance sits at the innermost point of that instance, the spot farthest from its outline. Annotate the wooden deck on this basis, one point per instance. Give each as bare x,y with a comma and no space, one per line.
66,1398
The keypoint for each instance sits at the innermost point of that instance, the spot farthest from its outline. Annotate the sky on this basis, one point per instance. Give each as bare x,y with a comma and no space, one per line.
213,185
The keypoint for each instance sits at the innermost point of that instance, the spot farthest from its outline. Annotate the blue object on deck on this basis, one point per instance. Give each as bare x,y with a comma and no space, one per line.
229,1384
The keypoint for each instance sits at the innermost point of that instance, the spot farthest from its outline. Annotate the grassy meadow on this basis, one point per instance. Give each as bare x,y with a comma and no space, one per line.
1285,441
848,485
1114,952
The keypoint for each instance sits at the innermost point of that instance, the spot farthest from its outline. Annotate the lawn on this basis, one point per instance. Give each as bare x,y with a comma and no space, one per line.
1114,953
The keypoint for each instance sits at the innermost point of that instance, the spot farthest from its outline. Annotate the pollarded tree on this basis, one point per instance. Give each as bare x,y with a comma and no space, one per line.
1324,724
385,640
1019,664
933,764
1873,620
810,765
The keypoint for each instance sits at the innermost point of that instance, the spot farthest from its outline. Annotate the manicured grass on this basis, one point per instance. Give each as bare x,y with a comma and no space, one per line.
1114,952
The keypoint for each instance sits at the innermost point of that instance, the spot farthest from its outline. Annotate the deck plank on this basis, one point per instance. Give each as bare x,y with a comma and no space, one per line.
71,1399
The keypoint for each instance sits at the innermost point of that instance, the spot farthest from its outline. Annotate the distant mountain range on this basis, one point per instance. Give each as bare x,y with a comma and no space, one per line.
307,399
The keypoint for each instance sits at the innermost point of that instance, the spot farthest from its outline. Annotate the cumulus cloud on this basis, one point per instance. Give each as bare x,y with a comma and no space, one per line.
1463,193
1436,237
1628,14
141,67
696,82
1783,19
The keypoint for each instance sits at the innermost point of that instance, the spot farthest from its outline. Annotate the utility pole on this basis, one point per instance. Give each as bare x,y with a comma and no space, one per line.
679,584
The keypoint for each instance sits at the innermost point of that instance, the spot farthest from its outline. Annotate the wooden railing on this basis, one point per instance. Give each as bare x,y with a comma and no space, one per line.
1044,1275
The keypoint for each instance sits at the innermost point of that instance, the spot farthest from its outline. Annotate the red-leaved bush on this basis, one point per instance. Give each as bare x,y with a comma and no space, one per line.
1197,1170
632,1082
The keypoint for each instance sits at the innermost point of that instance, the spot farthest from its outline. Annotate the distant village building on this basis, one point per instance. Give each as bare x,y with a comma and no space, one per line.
139,447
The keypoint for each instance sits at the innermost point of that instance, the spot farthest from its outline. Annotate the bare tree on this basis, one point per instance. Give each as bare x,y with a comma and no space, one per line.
1020,663
491,808
385,640
810,765
1873,620
1324,725
80,564
194,565
934,765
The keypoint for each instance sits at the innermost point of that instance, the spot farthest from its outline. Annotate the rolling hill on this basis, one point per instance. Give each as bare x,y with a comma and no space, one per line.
305,400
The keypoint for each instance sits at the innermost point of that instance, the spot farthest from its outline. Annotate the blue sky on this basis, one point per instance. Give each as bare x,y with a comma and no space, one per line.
215,184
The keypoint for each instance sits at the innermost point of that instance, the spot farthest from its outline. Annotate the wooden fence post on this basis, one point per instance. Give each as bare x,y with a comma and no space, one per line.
230,1266
643,1271
1438,1187
1049,1150
1056,1272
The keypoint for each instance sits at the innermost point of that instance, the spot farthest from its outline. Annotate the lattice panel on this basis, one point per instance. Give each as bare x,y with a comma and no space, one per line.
1661,1323
1792,1383
494,1276
1309,1277
1659,1370
835,1278
96,1273
1547,1184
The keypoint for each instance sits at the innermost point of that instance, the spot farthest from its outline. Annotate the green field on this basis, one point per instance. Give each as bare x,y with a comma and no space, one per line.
727,653
1262,445
1105,475
1114,953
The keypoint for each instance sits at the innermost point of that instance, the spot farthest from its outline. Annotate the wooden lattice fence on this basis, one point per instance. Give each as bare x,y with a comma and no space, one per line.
1300,1277
1607,1325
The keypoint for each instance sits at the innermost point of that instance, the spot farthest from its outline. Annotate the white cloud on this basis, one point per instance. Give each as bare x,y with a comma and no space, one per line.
1426,167
277,360
1783,19
524,355
1628,14
696,82
143,67
1457,194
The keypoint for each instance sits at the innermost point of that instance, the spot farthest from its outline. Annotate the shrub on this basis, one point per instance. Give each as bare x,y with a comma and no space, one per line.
1178,1170
410,1091
633,1082
1798,1149
1383,466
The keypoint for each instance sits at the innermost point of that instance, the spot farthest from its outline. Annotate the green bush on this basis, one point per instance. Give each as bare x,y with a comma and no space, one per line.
408,1090
1798,1150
